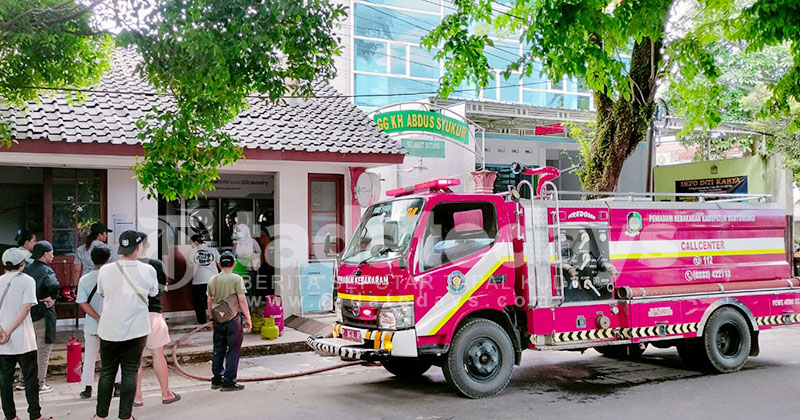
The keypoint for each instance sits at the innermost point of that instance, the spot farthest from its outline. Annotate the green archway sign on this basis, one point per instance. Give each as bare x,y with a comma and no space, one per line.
427,121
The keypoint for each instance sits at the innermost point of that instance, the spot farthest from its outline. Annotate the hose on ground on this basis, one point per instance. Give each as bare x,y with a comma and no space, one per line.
188,374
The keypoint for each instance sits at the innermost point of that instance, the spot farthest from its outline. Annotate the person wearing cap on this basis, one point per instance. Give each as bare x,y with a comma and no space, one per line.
98,235
226,290
44,314
125,323
17,337
203,264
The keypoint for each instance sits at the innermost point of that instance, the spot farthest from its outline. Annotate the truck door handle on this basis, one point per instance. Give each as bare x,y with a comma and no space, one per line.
497,279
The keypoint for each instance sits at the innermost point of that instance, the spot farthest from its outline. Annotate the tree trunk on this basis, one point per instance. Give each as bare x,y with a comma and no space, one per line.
622,124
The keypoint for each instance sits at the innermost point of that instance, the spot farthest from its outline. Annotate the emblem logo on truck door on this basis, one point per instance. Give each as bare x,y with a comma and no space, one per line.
634,224
456,283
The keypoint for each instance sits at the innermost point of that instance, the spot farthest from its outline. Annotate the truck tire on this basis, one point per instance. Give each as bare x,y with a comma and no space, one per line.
625,351
726,340
480,359
406,368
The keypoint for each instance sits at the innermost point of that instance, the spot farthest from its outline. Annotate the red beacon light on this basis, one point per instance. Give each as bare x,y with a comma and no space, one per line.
442,185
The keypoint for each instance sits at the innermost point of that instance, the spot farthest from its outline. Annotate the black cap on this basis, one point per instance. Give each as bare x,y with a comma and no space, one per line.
227,259
99,228
128,241
198,238
40,248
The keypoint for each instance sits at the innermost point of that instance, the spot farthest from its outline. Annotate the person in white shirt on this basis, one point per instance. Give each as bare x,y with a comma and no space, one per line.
125,324
17,337
203,262
92,304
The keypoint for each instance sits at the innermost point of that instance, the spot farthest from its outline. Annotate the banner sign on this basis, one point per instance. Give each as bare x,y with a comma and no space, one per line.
424,148
431,122
316,287
726,185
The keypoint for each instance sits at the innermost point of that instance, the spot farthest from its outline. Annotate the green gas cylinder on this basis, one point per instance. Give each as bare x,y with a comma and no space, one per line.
258,322
269,330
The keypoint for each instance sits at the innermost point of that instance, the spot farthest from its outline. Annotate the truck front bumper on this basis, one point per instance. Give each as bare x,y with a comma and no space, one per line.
347,350
374,345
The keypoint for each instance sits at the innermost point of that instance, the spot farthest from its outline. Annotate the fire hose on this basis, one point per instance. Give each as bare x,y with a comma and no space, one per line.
188,374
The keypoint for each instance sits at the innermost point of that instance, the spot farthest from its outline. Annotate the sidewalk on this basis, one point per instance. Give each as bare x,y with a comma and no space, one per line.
197,349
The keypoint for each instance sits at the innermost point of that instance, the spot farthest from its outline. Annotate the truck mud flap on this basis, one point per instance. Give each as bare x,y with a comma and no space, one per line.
344,349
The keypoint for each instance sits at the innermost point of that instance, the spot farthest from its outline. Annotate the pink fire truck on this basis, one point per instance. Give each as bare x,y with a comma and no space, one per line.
467,281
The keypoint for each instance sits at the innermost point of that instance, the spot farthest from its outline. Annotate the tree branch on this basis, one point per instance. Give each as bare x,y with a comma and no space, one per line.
59,8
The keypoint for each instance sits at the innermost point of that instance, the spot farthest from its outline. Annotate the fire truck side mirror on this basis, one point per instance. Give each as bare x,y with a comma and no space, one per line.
403,263
327,247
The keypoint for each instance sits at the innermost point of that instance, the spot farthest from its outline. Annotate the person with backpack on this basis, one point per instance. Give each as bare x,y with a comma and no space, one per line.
226,305
125,324
92,304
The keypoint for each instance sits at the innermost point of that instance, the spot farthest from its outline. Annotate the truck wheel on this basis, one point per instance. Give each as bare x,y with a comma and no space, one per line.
625,351
406,369
480,359
726,340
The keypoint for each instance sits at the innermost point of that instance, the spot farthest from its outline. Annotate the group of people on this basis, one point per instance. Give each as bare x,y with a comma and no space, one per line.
120,294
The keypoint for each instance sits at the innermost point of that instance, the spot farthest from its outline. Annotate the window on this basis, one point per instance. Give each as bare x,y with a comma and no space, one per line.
398,58
395,25
509,89
423,63
555,100
325,212
370,56
368,84
77,197
457,230
537,79
421,5
502,54
533,98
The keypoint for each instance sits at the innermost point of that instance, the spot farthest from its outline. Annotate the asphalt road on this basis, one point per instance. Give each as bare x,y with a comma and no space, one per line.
554,385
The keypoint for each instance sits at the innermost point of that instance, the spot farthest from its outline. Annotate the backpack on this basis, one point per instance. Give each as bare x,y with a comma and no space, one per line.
225,310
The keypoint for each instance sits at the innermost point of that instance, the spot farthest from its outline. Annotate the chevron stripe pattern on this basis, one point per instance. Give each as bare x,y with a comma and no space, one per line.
778,319
623,333
335,350
585,335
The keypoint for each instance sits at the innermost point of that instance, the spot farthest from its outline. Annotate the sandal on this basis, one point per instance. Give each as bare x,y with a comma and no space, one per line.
138,404
176,397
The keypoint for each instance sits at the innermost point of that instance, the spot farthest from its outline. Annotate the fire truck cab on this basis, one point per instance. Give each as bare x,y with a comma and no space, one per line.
468,281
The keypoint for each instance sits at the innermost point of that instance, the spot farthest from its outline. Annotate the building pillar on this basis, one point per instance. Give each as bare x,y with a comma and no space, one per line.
484,181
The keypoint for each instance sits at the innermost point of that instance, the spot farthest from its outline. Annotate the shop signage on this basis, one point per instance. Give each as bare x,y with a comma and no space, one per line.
727,185
431,122
316,287
424,148
243,186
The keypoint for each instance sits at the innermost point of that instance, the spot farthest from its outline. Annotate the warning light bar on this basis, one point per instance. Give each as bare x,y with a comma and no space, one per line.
443,184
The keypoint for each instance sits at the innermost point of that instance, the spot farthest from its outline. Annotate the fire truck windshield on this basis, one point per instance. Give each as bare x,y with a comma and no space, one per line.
385,231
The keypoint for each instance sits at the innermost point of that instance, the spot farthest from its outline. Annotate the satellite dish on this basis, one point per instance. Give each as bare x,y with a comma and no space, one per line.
368,188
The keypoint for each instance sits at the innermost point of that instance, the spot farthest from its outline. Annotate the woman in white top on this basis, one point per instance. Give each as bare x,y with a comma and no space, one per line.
248,254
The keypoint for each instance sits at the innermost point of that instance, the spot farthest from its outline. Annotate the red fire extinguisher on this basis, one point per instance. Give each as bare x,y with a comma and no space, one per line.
73,360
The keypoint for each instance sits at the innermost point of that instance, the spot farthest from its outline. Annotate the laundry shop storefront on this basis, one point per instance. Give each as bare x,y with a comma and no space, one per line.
72,167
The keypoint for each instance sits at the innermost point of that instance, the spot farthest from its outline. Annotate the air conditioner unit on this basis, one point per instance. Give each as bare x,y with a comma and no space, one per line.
662,160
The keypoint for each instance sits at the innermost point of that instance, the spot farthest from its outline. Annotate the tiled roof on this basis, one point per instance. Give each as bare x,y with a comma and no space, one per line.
322,124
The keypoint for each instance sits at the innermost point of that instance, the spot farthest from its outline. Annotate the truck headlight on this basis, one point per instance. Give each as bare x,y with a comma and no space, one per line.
337,307
396,316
